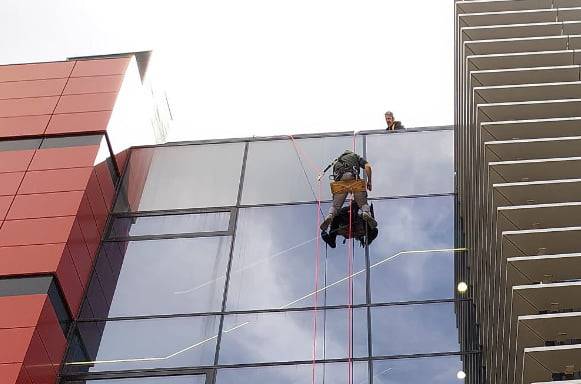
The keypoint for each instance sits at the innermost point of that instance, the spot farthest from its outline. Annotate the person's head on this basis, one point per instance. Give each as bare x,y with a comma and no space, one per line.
389,119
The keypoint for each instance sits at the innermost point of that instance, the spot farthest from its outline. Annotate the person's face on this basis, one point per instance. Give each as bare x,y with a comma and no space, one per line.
389,120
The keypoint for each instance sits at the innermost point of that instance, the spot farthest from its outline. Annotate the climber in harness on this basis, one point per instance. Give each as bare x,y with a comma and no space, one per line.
346,176
349,216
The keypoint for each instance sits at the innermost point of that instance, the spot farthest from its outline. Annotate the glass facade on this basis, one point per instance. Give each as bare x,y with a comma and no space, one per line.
213,270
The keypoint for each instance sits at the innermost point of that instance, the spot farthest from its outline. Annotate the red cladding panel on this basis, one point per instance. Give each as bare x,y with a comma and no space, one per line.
30,259
101,67
97,202
23,125
56,70
10,373
106,183
70,282
36,88
85,103
14,344
38,364
79,122
5,202
21,311
57,180
67,157
51,334
9,183
36,231
121,160
15,161
79,252
96,84
28,107
45,205
89,227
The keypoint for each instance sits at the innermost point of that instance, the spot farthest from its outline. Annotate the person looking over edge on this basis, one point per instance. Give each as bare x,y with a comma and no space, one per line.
346,168
392,123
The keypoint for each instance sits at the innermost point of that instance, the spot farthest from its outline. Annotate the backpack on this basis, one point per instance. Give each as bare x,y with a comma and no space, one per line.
347,162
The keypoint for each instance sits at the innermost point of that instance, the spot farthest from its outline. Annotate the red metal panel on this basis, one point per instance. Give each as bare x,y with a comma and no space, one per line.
30,259
10,373
106,183
79,253
97,202
45,205
55,180
70,282
9,183
36,88
28,107
37,362
51,334
67,157
5,202
79,122
89,227
36,231
23,125
116,66
94,84
21,311
14,342
55,70
15,161
85,103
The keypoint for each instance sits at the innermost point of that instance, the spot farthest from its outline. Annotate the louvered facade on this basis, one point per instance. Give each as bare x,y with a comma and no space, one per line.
518,178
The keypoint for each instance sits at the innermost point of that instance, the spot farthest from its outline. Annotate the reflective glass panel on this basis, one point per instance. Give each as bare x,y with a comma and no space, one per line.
148,380
288,336
413,329
140,344
274,261
169,224
410,260
178,177
433,370
337,373
411,163
281,171
165,276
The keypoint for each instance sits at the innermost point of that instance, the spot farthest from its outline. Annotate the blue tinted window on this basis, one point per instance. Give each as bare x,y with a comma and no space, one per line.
168,276
433,370
413,329
289,336
274,261
140,344
337,373
410,259
148,380
412,163
280,171
169,224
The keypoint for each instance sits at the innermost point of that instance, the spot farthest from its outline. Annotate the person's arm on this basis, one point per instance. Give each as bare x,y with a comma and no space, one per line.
368,174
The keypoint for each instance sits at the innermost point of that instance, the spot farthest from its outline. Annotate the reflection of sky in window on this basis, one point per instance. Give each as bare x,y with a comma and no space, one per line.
274,260
155,339
432,370
413,224
150,380
275,173
412,329
158,276
289,336
336,373
411,163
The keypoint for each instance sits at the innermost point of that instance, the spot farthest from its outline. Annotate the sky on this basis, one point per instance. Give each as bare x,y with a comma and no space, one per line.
236,68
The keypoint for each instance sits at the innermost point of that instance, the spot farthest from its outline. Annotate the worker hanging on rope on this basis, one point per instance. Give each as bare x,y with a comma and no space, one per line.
340,226
346,176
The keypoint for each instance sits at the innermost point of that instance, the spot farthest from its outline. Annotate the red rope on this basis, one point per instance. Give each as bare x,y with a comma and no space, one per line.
317,259
350,288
